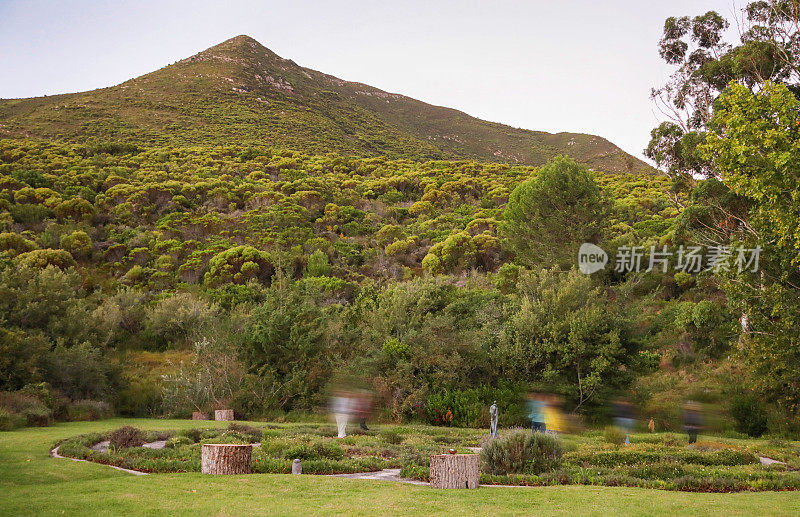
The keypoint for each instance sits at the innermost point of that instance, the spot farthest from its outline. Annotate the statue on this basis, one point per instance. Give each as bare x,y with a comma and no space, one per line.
493,414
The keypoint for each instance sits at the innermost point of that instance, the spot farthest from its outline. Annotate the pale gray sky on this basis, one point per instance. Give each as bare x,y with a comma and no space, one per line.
570,65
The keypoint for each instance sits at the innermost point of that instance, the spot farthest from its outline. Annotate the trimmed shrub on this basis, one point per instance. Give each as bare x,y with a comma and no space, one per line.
126,437
418,472
193,434
522,452
614,435
329,450
619,458
317,451
178,441
249,431
390,436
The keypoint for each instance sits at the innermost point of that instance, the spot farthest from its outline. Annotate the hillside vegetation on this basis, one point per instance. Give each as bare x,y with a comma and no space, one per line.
170,279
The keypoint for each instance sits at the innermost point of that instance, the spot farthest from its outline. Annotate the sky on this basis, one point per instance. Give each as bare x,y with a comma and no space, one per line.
583,66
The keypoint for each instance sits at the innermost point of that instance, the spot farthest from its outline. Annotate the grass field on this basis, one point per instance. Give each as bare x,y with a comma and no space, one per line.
33,483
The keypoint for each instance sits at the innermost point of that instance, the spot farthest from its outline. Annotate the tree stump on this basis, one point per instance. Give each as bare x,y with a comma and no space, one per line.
199,415
454,470
225,459
223,414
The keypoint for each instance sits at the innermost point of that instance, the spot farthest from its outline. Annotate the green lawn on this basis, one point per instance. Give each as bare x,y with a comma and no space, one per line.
32,483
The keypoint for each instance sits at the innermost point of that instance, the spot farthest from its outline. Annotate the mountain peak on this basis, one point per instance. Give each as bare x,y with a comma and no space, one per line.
240,91
238,47
241,42
242,39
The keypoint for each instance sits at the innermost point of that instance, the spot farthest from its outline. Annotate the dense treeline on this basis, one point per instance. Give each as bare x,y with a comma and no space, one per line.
164,280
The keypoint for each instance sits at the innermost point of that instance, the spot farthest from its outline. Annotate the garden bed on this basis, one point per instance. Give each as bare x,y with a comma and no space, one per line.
661,461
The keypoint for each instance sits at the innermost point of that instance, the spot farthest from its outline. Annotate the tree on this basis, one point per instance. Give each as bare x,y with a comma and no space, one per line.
548,217
734,118
754,143
705,65
565,335
318,264
286,343
212,378
176,320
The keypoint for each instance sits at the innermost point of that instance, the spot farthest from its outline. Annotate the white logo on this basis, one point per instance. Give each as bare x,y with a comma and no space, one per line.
591,258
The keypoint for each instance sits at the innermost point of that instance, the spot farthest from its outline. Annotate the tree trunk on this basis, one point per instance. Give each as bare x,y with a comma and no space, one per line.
225,459
454,470
199,415
223,414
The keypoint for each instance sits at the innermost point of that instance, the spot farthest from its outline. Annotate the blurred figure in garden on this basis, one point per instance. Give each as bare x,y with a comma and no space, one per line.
692,419
494,415
342,405
623,417
536,412
553,419
363,408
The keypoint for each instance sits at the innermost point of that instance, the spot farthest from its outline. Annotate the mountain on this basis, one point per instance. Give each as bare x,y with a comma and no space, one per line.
239,91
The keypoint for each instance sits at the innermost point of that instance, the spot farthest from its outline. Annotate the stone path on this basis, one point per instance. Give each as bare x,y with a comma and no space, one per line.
101,447
381,475
769,461
54,453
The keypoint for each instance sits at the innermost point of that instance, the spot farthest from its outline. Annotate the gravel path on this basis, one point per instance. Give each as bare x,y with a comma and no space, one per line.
381,475
54,453
769,461
101,447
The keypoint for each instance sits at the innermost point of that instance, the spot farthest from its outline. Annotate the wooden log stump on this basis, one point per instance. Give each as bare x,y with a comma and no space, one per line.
225,458
223,414
454,470
199,415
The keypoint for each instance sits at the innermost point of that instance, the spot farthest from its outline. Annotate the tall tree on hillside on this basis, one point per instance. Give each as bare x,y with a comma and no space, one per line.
754,143
769,49
548,217
734,119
